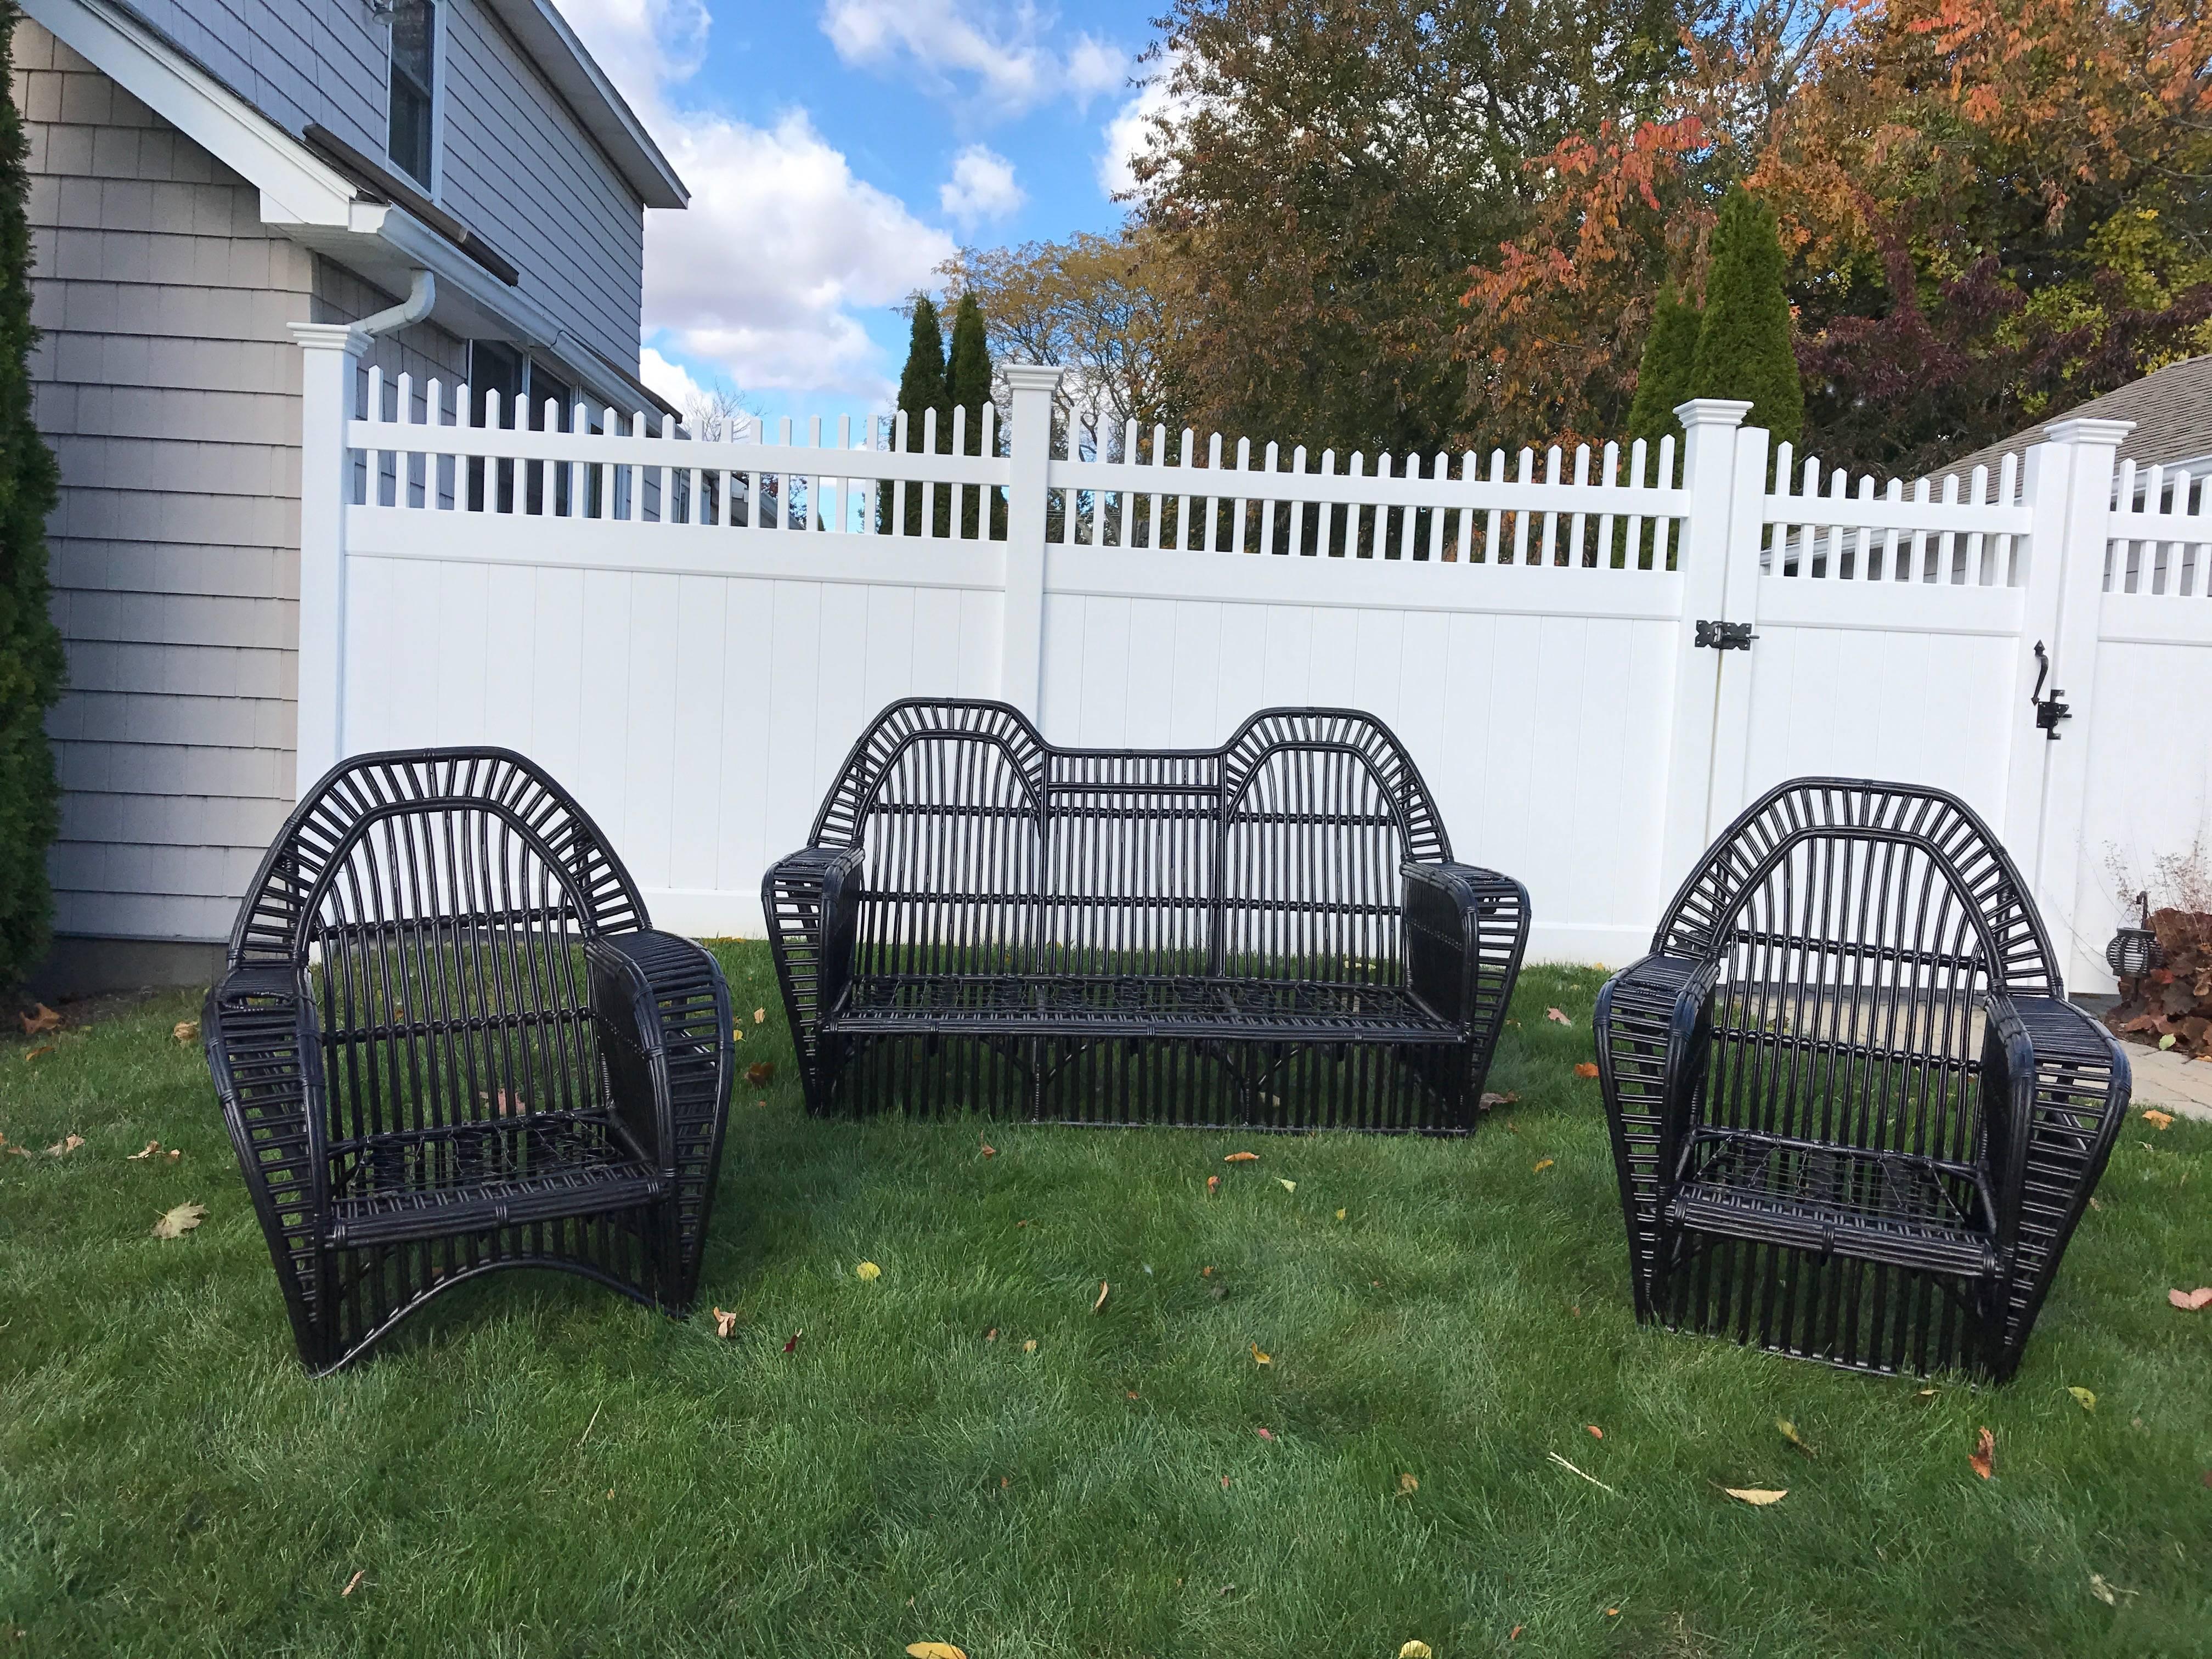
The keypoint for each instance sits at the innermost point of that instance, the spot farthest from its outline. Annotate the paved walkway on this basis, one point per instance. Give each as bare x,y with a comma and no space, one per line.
2171,1083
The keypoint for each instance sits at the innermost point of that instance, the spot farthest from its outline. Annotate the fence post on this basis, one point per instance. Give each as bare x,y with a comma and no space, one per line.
1709,479
1028,459
2069,493
328,354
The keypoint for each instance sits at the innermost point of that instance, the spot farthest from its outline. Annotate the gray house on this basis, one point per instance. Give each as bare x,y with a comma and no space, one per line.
207,173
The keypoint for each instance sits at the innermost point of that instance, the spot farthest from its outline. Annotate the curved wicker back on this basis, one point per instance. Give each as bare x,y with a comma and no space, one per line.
439,902
1861,928
987,850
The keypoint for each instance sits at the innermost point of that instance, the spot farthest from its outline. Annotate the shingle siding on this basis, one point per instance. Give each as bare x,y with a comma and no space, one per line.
168,386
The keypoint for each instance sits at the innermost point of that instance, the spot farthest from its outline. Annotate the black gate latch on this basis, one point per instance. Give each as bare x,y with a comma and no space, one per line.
1725,636
2049,711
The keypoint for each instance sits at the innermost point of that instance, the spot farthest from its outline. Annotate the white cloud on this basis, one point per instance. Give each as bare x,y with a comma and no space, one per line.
995,53
761,274
670,379
982,187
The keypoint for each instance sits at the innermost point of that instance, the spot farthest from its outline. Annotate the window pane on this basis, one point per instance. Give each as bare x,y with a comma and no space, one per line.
414,36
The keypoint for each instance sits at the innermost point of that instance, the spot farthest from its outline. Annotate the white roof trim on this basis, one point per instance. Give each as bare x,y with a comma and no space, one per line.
607,115
296,187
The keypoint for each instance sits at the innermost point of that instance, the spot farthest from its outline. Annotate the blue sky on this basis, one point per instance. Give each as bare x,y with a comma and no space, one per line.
837,150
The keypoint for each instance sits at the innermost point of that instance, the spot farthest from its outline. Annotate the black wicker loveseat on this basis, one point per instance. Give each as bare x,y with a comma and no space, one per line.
1854,1117
448,1041
1270,934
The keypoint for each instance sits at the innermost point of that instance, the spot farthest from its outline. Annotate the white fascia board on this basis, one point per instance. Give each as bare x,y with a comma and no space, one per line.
296,187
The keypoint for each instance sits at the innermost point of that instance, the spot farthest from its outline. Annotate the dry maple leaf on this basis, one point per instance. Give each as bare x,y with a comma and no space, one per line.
44,1020
1259,1359
1029,1346
1242,1158
933,1651
759,1072
1984,1458
1407,1486
1585,1068
65,1145
2192,1300
760,1016
1100,1302
725,1324
152,1147
185,1031
175,1224
1557,1018
990,1150
1757,1497
2158,1120
868,1270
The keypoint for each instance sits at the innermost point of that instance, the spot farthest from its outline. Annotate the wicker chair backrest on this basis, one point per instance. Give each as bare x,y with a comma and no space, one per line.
437,907
988,851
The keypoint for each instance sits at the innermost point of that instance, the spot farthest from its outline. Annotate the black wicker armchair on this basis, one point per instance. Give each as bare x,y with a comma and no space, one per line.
448,1041
1271,934
1854,1117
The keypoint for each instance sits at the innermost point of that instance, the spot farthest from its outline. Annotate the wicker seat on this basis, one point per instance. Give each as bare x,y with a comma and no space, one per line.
1271,934
1854,1117
448,1041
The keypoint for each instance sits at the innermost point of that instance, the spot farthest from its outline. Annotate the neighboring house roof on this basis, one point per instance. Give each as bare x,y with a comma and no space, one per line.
2172,408
319,199
603,112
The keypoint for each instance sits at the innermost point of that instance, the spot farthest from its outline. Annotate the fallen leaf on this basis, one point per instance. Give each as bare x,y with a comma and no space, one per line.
1597,1433
66,1145
2156,1119
1100,1302
13,1152
1029,1346
1542,1164
353,1582
933,1651
758,1073
1489,1100
1407,1486
39,1053
1004,1481
1984,1458
990,1150
737,1034
174,1153
1288,1186
1585,1068
1789,1431
44,1020
1514,1635
991,1335
1757,1497
2192,1300
185,1031
1340,1215
1259,1359
1926,1393
1206,1272
1213,1185
869,1270
725,1324
1557,1018
760,1016
2167,1041
1132,1392
152,1147
1225,1486
1242,1158
1415,1651
175,1224
792,1347
2083,1397
1263,1434
2105,1591
1612,1613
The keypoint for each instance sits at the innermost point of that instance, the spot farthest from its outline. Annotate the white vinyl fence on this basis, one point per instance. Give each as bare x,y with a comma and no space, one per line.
691,634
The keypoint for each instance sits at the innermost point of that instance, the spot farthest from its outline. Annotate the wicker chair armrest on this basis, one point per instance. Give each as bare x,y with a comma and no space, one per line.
662,1000
264,1049
811,900
1466,928
1651,1054
2055,1089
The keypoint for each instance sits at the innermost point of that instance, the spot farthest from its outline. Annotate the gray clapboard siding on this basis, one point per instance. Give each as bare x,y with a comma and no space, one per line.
167,384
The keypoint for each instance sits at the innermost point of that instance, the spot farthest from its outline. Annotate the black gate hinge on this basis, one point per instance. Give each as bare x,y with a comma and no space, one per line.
1725,636
2049,711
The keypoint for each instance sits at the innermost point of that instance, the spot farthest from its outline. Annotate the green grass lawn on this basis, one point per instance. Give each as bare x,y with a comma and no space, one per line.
537,1467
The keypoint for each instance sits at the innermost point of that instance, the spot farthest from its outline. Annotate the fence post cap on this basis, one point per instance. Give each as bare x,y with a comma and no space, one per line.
1712,411
331,336
2087,429
1033,377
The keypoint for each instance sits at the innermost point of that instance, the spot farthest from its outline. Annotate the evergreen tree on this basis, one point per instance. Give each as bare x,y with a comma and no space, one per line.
30,645
1744,347
1664,378
923,387
968,383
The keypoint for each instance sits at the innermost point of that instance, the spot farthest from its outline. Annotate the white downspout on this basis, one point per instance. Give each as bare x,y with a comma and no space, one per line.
420,296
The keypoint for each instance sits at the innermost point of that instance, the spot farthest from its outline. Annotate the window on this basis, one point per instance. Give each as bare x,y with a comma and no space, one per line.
526,386
414,87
